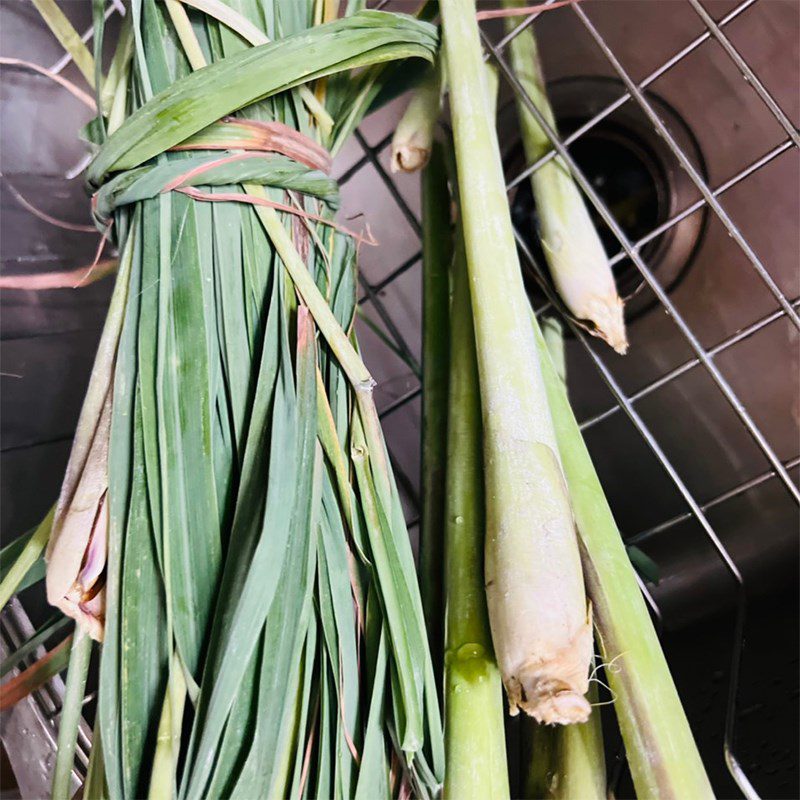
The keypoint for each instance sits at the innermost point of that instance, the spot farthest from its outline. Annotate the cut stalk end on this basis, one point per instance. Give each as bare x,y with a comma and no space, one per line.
552,690
412,155
413,138
607,315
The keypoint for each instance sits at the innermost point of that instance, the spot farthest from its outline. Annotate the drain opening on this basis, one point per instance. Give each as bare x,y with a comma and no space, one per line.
636,175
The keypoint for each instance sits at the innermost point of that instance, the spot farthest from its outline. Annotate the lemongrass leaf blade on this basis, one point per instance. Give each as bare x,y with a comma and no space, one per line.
51,627
23,571
205,96
68,37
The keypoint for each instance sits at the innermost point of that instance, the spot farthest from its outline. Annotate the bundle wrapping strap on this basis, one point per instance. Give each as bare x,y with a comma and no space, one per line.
264,153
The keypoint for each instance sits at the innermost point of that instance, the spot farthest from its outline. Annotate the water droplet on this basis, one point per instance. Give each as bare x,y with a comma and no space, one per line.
470,650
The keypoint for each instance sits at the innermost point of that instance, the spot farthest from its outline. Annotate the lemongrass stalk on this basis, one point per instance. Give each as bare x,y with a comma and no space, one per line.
27,558
474,733
575,255
537,605
71,713
567,762
413,138
661,751
436,256
553,333
68,37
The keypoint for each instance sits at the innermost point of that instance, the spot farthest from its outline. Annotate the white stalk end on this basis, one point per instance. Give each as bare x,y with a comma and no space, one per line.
552,690
413,139
606,313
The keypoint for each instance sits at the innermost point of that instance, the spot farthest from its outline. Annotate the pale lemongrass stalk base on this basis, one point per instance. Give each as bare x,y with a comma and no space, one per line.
575,255
168,738
413,137
534,583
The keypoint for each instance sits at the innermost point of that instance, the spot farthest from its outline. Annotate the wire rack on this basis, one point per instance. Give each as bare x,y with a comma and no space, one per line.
711,199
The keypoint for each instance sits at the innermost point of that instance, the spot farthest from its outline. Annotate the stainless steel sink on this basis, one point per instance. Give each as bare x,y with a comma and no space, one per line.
699,460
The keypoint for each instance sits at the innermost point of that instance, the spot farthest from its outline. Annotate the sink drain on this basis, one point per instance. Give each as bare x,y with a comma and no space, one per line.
636,175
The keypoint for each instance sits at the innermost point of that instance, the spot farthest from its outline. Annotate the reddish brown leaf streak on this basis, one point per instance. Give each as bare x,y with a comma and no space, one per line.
30,679
523,11
177,183
305,329
271,137
234,197
68,279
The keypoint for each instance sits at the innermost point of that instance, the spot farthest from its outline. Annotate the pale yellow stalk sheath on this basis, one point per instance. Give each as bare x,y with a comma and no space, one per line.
575,255
537,605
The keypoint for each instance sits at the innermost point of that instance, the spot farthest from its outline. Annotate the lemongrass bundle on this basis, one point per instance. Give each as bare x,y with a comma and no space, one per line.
540,621
230,526
575,255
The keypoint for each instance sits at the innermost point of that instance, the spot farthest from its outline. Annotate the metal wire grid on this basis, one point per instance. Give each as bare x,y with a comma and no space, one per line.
710,197
702,356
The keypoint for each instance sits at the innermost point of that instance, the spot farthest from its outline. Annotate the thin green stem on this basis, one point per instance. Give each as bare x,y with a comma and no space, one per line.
567,761
95,786
27,558
474,732
437,249
77,671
